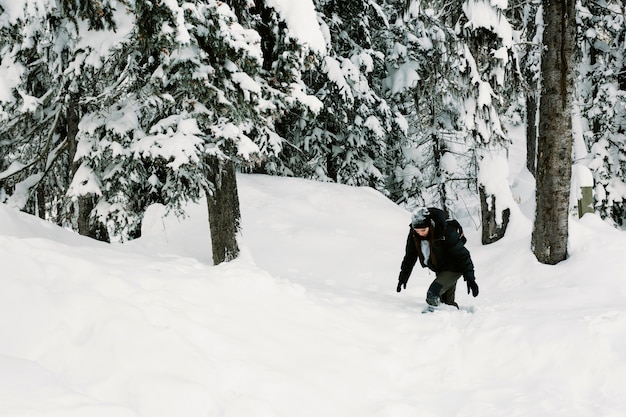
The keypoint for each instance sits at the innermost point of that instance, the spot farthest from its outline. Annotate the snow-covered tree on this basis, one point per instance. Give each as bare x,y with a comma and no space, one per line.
492,75
50,68
530,65
291,46
191,109
452,73
601,88
346,141
423,86
160,108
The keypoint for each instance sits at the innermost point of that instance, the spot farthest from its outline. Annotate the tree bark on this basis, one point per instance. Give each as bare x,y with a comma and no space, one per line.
224,212
554,168
491,230
531,132
86,226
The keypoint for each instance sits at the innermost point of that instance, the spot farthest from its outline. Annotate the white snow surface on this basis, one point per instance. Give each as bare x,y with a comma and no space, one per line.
307,321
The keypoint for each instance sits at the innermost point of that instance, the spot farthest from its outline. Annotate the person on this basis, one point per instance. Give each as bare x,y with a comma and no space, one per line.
441,249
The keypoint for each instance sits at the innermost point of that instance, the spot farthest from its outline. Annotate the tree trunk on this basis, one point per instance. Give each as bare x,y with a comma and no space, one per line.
41,200
224,213
491,230
441,183
86,226
531,132
554,168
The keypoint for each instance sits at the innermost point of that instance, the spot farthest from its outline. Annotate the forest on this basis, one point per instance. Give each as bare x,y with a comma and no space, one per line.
110,106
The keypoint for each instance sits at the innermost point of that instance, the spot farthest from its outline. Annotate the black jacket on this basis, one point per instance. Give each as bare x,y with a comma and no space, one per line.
448,253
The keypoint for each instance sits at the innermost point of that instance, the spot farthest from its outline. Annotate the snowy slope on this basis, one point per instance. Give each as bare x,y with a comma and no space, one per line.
307,322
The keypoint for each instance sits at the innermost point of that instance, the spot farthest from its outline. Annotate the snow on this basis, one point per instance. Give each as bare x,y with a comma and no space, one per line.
10,74
301,19
481,13
85,182
98,43
307,321
174,139
405,76
493,175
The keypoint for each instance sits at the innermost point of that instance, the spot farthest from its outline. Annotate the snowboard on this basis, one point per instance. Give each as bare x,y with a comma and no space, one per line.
445,307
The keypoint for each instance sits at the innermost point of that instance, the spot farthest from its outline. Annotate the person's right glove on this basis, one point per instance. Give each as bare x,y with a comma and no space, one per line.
402,280
472,287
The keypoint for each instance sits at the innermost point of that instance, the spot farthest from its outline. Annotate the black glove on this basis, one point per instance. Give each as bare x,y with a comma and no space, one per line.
401,283
472,286
403,278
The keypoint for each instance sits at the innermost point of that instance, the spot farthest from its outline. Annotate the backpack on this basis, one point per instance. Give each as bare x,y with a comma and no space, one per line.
440,217
459,229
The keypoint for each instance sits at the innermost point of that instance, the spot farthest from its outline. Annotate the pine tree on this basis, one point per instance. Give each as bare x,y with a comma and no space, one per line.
601,86
176,105
422,89
530,67
345,142
43,42
287,98
493,88
193,109
452,76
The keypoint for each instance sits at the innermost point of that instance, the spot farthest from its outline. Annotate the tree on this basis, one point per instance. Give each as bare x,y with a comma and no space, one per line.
452,71
601,92
424,87
345,140
163,111
191,106
493,87
224,212
550,233
530,62
51,68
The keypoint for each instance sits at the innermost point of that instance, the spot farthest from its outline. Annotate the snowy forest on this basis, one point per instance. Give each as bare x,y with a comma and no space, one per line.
109,106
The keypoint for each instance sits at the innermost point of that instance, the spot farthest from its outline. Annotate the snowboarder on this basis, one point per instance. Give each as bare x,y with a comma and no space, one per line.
440,247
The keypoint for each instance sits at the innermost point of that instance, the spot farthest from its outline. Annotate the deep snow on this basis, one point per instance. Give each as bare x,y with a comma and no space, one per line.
307,322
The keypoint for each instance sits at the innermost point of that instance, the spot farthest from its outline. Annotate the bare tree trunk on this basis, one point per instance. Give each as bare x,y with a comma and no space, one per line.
224,212
491,230
554,168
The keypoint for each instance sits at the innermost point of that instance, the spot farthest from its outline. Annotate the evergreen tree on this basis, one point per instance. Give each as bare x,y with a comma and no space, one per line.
346,141
192,108
424,87
43,44
492,77
452,74
601,86
166,117
288,100
530,66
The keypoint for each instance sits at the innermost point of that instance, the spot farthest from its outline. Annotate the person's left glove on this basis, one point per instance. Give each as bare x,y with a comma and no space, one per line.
472,287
